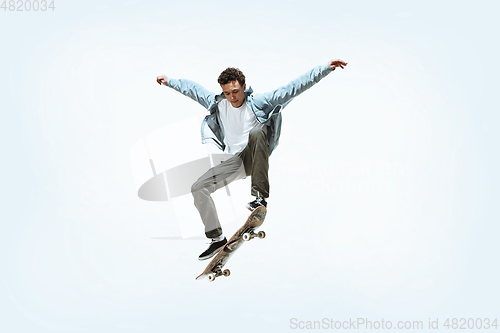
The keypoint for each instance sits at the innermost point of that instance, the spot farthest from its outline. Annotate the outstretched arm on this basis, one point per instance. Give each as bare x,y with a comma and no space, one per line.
283,95
190,89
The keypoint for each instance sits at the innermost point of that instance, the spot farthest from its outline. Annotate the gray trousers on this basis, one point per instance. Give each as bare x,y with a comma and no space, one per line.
252,161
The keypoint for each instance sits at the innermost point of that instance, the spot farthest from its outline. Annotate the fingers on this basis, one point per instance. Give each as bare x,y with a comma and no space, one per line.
161,79
338,63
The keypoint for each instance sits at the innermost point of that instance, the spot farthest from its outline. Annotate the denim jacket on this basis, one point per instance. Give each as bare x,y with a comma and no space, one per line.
267,107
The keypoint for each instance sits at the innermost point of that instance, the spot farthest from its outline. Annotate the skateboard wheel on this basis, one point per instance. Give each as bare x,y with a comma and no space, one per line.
261,234
246,236
211,277
226,272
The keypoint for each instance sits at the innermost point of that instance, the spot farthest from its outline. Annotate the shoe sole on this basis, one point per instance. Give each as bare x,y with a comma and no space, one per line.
213,254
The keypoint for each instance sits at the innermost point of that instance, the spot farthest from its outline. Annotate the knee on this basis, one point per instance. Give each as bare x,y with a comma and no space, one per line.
257,133
195,188
198,190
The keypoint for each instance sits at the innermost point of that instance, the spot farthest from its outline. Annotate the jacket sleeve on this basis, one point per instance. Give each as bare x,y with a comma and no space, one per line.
193,90
284,95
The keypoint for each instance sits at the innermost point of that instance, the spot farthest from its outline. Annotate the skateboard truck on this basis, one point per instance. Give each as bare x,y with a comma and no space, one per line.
251,235
218,272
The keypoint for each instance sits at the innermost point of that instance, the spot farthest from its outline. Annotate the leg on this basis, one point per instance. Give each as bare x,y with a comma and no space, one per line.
256,161
214,179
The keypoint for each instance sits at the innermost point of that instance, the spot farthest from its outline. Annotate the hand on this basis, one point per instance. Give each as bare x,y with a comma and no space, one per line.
337,63
161,79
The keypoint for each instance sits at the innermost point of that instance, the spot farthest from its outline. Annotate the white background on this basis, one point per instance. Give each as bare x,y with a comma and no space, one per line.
384,188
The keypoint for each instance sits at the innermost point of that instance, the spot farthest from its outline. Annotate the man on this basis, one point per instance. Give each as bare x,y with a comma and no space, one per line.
246,126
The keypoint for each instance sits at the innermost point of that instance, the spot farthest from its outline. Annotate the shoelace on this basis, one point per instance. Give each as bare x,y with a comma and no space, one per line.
258,199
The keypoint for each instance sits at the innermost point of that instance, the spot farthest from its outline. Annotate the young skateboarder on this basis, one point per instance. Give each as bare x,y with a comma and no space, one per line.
245,126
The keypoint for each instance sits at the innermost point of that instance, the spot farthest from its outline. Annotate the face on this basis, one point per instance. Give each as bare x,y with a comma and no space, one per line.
234,93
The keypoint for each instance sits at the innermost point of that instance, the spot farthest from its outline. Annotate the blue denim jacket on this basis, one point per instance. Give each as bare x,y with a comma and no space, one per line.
267,107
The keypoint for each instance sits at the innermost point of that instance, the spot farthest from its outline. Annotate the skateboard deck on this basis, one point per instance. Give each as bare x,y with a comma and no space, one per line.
245,233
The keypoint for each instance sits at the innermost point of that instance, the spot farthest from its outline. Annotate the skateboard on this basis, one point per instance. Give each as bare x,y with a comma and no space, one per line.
244,234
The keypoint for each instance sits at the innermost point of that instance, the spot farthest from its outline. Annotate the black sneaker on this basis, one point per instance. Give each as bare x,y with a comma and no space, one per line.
213,249
259,201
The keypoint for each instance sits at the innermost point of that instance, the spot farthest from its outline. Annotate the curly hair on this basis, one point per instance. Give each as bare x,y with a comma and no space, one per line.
231,74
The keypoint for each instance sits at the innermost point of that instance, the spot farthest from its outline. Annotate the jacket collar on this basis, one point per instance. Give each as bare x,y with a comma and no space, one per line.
248,92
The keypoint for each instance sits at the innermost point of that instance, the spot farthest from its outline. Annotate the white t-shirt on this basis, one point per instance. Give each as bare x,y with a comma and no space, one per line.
237,123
